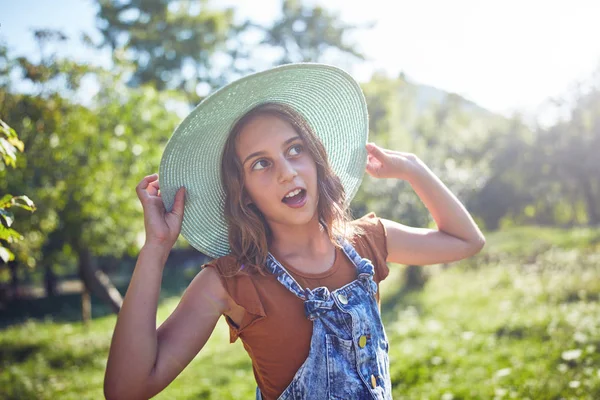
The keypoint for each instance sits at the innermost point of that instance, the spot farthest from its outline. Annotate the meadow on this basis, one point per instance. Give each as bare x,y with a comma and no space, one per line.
520,320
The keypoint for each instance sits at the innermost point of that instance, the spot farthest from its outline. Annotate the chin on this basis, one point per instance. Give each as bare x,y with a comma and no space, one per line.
300,217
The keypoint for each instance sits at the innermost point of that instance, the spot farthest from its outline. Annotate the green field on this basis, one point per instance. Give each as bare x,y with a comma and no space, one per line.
519,320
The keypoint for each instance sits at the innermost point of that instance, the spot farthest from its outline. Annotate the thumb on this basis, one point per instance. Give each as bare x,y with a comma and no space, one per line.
178,205
376,151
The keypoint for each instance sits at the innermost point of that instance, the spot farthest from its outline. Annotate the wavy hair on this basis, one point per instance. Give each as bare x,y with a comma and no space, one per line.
249,233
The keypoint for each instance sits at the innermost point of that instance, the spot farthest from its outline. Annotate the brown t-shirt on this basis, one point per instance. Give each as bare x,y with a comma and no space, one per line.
274,330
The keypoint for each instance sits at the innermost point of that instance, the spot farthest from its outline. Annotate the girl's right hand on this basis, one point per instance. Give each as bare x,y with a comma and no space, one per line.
162,227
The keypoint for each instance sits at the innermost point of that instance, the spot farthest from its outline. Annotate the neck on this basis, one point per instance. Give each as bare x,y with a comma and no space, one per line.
310,240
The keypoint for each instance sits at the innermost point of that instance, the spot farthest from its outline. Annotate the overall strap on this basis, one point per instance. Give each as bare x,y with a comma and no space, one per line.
316,301
284,277
364,267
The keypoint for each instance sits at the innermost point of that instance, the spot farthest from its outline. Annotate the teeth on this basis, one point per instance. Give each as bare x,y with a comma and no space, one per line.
293,193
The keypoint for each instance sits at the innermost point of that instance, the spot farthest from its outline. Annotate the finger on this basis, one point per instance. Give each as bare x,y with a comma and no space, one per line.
153,188
146,181
373,164
141,187
373,170
179,204
375,150
395,152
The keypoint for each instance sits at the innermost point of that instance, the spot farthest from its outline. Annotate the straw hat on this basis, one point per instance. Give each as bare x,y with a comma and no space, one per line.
329,99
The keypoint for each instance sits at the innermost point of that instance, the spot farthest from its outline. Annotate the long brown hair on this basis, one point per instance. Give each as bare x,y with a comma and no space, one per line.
249,233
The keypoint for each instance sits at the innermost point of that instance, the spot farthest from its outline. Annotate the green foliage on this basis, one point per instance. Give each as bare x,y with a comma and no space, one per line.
504,171
307,34
171,43
82,165
447,132
192,46
9,144
502,329
549,175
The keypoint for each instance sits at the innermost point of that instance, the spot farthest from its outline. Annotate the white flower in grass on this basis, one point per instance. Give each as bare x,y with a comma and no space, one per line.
503,372
570,355
574,384
434,326
563,368
580,337
447,396
590,348
467,335
436,360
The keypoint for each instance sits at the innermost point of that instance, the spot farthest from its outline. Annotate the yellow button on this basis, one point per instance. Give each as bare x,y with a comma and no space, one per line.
373,381
362,341
343,299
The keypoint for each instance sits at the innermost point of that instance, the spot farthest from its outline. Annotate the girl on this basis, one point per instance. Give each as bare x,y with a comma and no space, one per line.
296,279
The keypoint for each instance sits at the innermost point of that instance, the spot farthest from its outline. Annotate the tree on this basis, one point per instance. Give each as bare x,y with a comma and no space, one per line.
446,131
546,176
195,47
310,34
170,43
81,168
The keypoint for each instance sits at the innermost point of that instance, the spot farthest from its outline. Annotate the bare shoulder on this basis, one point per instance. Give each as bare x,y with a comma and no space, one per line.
208,285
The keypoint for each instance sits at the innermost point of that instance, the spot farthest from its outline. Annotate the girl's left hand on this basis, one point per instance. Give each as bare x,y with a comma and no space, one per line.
383,163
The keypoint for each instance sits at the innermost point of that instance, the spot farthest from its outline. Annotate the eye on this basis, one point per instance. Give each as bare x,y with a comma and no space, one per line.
260,164
295,150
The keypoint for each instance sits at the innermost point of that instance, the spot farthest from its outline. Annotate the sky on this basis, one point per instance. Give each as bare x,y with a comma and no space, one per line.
507,56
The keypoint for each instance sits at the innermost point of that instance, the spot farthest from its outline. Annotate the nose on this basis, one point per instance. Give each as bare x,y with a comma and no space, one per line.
287,171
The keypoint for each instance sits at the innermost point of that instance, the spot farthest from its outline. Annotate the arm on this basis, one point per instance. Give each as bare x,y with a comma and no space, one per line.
143,360
457,237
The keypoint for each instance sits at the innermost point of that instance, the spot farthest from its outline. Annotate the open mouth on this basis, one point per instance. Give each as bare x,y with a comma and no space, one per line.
295,198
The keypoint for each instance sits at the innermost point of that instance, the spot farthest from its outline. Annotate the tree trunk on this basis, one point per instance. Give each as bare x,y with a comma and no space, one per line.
414,277
590,202
96,282
50,281
14,280
86,307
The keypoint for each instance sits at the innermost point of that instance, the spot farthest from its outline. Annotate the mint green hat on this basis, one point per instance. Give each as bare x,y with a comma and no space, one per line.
329,99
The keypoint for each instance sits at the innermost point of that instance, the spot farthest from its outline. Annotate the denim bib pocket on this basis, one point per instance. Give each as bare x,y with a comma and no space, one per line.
342,377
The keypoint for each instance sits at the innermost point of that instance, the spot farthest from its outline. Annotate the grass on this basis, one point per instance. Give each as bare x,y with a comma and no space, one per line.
520,320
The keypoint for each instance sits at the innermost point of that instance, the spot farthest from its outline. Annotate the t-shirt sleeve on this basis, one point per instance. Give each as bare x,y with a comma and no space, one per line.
372,244
242,290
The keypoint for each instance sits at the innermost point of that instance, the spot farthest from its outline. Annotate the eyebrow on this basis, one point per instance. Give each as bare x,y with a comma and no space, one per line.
258,153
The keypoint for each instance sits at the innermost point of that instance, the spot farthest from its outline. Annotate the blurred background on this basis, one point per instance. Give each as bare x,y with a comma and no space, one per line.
501,99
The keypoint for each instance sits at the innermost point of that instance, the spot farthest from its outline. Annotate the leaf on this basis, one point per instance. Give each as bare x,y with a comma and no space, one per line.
7,130
8,217
9,234
6,254
17,143
27,204
5,200
8,152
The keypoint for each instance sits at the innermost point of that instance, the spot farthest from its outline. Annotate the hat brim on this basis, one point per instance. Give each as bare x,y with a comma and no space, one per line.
328,98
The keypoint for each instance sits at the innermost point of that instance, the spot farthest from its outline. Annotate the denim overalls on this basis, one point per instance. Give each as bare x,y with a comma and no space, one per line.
348,356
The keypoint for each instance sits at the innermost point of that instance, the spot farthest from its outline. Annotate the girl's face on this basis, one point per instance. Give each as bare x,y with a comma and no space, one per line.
280,174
